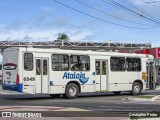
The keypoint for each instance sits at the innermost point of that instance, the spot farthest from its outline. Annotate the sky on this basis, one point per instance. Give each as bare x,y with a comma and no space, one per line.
86,20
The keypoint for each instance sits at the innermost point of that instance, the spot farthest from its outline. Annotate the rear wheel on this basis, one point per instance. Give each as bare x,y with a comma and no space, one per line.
72,91
117,92
54,95
136,88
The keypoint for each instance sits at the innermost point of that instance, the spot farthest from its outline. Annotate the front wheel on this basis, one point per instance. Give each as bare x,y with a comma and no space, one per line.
72,91
136,88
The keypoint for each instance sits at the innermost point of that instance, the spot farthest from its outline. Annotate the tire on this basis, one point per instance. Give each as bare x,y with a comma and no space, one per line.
136,88
117,92
72,91
54,95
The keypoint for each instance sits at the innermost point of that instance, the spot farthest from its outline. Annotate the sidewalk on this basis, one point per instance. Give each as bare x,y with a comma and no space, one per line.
157,97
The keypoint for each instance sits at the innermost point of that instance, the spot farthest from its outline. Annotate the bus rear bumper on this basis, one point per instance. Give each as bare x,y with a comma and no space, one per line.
17,87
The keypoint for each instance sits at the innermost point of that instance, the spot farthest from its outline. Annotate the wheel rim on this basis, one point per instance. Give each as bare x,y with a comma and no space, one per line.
136,89
72,91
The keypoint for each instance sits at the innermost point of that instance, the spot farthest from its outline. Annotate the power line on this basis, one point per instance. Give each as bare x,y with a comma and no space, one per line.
130,10
155,2
99,18
122,9
150,3
139,9
109,14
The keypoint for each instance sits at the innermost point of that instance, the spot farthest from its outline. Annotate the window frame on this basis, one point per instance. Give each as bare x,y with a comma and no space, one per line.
116,64
45,65
60,62
39,66
24,61
99,68
132,67
77,62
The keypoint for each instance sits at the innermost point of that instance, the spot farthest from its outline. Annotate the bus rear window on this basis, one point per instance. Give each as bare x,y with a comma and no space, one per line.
9,66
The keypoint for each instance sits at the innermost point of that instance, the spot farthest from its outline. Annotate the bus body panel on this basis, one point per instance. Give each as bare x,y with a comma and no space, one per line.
41,78
11,67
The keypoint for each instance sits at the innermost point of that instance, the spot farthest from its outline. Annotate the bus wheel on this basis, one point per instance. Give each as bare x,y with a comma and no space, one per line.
136,88
117,92
54,95
72,91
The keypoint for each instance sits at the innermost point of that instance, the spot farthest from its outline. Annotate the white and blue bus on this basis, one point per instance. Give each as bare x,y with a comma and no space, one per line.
70,72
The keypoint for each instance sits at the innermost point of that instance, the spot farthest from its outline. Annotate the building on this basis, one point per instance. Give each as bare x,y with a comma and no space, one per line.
156,53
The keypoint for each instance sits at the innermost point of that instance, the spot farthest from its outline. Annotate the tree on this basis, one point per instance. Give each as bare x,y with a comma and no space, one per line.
63,37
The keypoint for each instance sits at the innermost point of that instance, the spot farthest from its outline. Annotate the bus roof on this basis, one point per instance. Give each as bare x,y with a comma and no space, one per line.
87,52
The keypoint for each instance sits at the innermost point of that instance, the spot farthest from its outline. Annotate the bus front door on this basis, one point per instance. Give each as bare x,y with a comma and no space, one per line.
42,75
101,75
150,81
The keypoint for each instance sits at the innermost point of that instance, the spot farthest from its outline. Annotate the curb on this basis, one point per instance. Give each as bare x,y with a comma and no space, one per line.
154,98
141,99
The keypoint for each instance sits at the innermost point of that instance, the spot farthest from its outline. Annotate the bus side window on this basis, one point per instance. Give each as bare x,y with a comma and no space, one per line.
38,66
133,64
28,61
97,67
117,64
60,62
80,62
103,67
45,67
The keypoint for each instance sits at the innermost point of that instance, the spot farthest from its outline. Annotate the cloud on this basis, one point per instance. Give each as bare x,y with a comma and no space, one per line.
137,2
47,9
43,34
45,27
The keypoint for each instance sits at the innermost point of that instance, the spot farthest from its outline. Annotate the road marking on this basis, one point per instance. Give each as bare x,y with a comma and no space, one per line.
39,108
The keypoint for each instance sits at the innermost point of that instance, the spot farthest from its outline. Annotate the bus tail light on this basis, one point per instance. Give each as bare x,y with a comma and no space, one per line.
17,79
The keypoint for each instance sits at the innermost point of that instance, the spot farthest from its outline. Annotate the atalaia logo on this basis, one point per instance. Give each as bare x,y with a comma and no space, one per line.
81,76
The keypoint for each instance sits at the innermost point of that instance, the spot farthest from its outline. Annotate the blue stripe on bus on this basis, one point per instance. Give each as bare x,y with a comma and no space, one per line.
12,87
20,86
93,73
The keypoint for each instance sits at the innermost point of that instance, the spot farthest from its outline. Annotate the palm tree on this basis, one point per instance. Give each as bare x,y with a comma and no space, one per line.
63,37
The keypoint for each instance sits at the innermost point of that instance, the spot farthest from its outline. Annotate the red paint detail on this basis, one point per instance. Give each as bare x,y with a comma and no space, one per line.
9,64
17,79
146,51
152,51
9,108
124,51
30,107
158,52
55,108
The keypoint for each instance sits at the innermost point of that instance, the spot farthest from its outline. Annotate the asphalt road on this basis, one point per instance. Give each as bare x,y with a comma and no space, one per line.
103,103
